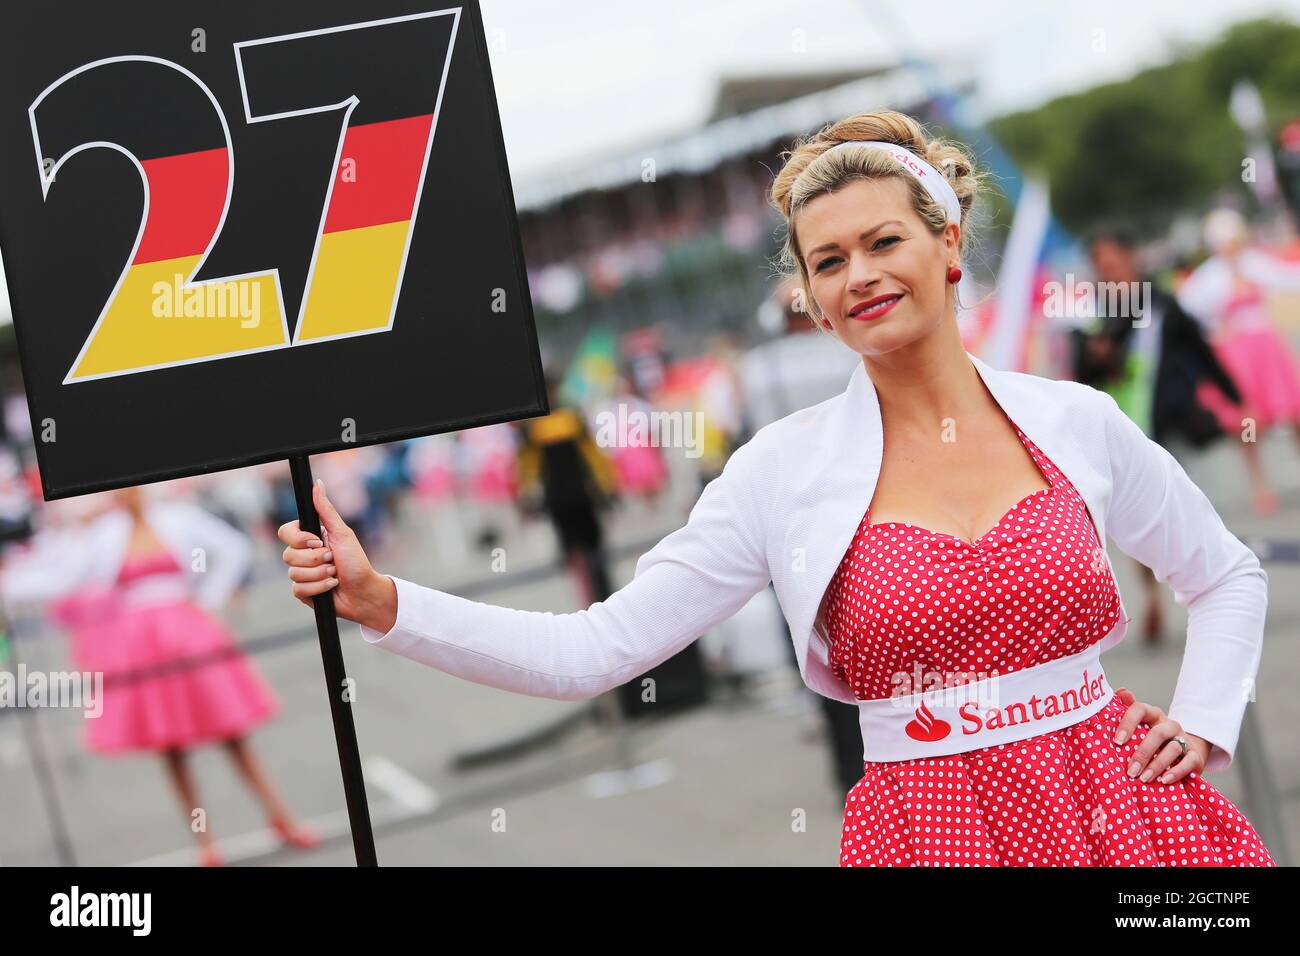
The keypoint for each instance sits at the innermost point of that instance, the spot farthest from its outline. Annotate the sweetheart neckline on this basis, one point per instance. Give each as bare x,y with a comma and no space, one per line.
974,542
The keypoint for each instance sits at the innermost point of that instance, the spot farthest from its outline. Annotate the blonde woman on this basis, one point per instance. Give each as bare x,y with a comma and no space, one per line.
935,535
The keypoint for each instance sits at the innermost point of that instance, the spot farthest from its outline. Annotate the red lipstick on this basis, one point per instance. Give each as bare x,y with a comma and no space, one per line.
876,307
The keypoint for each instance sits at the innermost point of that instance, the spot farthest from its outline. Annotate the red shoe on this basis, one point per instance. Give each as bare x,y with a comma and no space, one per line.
304,838
211,856
1264,501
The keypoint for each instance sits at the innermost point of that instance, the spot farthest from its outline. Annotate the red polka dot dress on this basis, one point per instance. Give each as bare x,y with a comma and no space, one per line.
1034,588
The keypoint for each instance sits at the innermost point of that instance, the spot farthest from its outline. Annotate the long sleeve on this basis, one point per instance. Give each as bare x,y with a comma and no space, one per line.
691,580
55,565
1270,271
1190,337
602,469
1201,295
1158,515
528,465
228,553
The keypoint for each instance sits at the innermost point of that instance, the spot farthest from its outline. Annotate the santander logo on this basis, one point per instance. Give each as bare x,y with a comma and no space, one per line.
976,718
926,727
971,712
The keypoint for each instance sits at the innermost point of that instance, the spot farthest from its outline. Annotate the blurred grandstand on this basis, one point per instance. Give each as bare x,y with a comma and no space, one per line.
678,233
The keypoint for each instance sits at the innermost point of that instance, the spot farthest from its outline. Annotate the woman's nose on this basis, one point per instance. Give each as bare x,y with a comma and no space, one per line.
862,274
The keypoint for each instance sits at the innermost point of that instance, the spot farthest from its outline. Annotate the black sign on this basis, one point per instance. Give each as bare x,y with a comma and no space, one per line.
240,231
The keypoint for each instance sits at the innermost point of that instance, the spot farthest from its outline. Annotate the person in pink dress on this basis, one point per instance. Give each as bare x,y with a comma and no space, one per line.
487,469
639,465
1227,294
139,588
433,469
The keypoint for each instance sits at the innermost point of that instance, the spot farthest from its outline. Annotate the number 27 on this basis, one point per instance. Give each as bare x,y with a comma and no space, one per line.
361,245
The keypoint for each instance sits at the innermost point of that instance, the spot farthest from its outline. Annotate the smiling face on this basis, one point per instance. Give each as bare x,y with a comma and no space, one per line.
877,272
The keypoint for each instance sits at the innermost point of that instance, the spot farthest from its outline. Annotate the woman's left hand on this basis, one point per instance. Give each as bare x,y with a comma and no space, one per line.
1159,755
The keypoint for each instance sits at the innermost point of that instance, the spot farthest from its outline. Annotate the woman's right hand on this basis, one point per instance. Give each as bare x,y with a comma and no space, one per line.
337,562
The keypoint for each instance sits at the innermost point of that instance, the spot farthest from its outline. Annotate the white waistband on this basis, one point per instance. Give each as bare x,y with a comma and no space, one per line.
156,589
996,710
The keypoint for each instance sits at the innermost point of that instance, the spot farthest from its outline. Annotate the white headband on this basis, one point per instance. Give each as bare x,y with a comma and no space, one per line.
921,171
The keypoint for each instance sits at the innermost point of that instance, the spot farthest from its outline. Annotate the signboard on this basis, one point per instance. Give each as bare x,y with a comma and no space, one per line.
246,231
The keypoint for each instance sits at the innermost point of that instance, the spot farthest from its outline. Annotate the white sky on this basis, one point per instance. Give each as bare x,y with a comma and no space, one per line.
579,76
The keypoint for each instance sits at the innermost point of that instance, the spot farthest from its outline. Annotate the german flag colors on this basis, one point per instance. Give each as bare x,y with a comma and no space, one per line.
153,319
363,245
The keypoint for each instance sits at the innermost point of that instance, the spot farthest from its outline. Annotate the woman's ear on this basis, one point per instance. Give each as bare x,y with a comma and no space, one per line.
952,238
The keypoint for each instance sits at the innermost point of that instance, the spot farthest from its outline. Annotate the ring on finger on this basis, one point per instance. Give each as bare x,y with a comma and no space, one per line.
1151,772
1166,776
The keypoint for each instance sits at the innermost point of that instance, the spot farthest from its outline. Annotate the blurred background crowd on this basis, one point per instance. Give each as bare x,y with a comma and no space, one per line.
650,263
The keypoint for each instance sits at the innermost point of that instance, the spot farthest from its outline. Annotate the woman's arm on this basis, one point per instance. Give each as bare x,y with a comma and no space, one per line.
228,552
1188,331
1158,515
1201,295
694,578
55,564
1269,271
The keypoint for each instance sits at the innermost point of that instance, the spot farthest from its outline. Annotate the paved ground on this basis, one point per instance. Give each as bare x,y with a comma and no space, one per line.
739,782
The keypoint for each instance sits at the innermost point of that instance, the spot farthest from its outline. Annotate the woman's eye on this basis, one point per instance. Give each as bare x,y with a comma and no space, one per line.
884,242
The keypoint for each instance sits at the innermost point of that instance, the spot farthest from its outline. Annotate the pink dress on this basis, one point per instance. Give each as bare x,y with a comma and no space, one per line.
1259,359
491,455
173,674
640,469
639,465
432,463
1032,589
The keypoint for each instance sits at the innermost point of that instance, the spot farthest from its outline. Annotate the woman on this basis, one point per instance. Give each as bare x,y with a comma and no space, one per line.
939,521
639,465
138,588
1226,292
488,466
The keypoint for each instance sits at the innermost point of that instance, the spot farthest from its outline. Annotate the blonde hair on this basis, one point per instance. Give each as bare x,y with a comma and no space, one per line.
807,173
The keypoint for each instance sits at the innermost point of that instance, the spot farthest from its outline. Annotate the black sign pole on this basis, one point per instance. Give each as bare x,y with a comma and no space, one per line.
331,652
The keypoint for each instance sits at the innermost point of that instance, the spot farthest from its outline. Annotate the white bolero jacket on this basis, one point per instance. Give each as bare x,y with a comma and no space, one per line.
786,508
212,554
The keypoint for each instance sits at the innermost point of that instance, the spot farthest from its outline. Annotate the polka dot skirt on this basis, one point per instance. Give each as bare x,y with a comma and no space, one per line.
907,603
